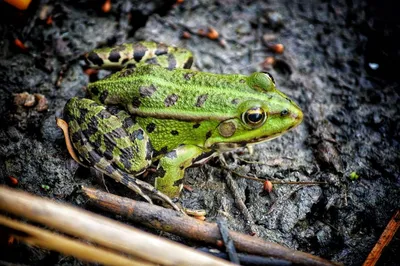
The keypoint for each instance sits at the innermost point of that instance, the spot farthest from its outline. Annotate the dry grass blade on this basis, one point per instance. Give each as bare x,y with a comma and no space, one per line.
102,231
39,237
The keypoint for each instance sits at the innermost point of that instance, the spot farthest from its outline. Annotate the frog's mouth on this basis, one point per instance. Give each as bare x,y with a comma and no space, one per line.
229,146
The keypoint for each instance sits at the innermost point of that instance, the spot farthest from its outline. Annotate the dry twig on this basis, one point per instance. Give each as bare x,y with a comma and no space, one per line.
384,240
170,221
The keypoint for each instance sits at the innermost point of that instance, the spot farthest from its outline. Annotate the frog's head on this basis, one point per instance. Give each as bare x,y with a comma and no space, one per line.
266,115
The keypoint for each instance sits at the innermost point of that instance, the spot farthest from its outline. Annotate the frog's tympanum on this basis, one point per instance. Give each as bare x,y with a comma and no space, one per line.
156,111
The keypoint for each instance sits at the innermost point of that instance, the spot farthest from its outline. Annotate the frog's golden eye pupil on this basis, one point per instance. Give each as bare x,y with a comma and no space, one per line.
254,116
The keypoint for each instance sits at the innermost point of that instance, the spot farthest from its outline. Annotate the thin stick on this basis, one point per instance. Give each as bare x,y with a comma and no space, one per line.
102,231
167,220
384,240
276,182
41,238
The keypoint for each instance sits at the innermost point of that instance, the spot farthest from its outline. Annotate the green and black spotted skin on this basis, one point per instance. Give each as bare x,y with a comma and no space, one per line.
156,111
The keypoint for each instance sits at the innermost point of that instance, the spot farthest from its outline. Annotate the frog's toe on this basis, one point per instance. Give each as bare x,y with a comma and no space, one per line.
133,184
157,194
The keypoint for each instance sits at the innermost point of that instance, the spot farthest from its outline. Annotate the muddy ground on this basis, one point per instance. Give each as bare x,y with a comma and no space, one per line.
340,65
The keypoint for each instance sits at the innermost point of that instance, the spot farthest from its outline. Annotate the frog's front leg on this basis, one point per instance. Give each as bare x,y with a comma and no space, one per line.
171,169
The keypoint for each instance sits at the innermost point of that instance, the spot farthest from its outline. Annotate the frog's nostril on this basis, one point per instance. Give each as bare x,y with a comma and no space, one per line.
299,115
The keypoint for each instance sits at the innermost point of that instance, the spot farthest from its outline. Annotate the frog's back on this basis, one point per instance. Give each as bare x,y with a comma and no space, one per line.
153,89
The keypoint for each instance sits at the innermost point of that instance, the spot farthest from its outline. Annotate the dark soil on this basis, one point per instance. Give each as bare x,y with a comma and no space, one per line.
340,65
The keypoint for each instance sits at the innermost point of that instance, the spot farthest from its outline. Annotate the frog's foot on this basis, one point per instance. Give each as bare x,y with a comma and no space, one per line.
137,185
195,213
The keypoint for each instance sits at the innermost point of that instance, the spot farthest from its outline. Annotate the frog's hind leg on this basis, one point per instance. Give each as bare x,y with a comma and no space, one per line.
110,141
130,55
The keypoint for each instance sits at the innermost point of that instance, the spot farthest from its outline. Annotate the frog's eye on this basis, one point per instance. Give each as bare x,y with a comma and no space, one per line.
254,117
261,81
270,76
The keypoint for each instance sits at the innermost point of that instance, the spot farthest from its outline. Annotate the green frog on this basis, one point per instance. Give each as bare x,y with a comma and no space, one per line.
157,112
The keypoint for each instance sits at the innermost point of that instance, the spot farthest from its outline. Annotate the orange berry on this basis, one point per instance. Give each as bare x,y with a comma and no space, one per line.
186,35
268,186
49,20
277,48
13,180
106,7
220,243
212,33
20,45
268,62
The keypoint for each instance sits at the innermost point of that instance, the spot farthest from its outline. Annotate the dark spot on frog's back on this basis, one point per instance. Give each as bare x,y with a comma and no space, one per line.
139,50
136,102
196,125
137,134
201,100
188,63
103,114
208,135
103,96
163,150
171,62
95,59
162,48
174,132
128,122
94,90
147,91
171,100
151,127
113,109
114,56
